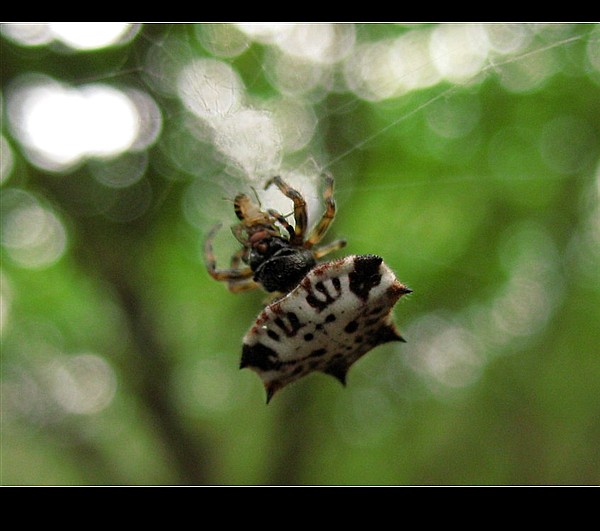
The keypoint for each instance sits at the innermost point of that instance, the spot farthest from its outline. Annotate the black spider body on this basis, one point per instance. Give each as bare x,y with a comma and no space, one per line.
283,268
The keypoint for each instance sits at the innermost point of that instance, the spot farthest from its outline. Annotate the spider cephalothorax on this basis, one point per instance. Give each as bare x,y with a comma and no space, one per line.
274,253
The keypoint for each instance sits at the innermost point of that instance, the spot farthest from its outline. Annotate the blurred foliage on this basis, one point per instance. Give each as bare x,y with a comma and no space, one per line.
120,355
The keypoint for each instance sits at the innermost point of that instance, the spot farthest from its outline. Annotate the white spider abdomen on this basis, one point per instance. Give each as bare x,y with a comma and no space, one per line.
339,311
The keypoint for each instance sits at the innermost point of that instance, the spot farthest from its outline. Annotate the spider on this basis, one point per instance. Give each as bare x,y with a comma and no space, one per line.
274,254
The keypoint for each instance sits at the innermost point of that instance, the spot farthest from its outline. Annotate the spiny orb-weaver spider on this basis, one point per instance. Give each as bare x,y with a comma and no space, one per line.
273,260
328,315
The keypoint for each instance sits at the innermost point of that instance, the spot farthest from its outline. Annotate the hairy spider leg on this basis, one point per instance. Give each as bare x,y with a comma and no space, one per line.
236,259
237,286
319,252
300,215
317,233
238,232
237,278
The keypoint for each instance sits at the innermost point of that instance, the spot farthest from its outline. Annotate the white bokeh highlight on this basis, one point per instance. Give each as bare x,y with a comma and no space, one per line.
60,126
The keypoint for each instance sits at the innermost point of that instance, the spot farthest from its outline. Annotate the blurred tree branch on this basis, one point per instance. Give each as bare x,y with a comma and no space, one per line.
109,252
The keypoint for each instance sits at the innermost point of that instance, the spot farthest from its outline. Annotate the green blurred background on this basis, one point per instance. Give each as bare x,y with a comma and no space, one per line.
465,155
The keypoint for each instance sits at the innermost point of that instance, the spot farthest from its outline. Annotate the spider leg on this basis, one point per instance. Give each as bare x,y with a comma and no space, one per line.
237,279
300,215
230,275
233,275
237,231
236,286
237,258
329,248
317,233
284,222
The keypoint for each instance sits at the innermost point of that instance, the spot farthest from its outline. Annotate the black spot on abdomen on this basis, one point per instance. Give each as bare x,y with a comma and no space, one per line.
290,326
366,275
259,356
351,327
273,335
